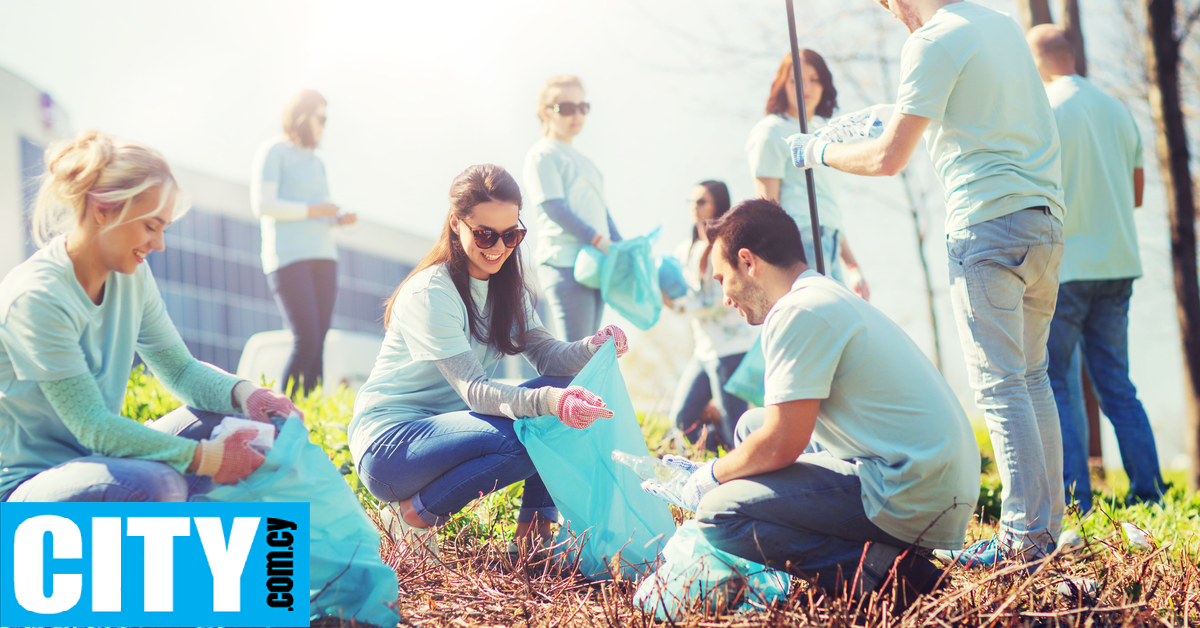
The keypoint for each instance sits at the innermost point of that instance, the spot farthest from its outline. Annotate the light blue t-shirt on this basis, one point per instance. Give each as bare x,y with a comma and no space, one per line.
1101,147
770,157
300,173
49,331
991,132
554,169
886,415
428,323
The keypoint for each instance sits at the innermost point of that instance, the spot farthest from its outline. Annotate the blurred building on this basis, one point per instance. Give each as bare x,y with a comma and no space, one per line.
210,274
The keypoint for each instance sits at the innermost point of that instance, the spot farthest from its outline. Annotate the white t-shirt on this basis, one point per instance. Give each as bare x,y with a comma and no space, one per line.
429,322
771,158
886,415
717,328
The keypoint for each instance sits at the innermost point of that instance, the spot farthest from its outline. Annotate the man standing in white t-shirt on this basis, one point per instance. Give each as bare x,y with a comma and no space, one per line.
1103,181
899,465
970,87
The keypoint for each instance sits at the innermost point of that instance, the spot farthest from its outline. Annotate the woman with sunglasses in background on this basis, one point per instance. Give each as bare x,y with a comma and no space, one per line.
431,431
770,157
289,193
722,336
568,192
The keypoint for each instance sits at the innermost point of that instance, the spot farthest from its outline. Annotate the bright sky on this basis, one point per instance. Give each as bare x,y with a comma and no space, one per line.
420,90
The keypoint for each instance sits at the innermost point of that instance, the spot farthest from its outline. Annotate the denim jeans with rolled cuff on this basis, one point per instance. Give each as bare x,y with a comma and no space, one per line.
445,461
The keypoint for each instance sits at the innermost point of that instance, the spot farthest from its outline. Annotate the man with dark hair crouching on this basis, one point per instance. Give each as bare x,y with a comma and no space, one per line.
898,467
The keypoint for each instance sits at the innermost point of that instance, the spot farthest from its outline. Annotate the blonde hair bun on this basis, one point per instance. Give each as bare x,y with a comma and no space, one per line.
108,171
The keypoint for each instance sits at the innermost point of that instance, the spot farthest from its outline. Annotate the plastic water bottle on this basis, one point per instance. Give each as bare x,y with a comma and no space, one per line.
650,468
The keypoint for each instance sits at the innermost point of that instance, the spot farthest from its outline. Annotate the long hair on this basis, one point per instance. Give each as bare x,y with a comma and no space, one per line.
507,290
720,195
777,101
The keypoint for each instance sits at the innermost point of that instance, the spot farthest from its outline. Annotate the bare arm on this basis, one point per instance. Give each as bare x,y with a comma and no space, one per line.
882,157
1139,186
767,188
775,445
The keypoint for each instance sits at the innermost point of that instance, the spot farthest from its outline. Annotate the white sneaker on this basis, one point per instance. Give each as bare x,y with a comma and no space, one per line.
400,531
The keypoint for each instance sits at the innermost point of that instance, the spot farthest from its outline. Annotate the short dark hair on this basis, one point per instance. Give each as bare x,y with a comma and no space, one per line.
760,226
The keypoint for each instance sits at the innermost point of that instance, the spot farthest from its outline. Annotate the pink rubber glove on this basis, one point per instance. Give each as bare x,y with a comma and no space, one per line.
610,331
578,407
228,458
260,404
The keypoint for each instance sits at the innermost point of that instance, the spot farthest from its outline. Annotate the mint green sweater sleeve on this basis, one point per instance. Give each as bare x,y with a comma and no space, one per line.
78,402
195,383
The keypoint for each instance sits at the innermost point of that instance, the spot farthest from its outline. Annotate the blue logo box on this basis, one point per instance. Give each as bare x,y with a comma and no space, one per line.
154,564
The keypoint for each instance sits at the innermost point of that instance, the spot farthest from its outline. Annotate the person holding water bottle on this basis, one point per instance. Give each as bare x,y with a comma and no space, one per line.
289,192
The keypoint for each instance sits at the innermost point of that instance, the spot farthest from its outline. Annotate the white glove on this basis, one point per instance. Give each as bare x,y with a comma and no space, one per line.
807,150
866,124
687,493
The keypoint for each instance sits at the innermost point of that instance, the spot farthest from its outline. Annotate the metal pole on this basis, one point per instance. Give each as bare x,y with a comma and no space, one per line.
808,173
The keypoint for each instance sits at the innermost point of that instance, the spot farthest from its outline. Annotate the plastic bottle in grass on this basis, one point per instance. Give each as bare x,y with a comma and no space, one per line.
650,468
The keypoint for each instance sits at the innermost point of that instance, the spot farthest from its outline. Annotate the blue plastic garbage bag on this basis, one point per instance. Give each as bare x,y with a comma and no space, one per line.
601,501
346,575
693,569
749,379
670,277
628,278
589,265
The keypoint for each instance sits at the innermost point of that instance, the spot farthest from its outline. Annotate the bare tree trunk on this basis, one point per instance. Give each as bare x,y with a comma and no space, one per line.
1033,12
1074,29
1162,57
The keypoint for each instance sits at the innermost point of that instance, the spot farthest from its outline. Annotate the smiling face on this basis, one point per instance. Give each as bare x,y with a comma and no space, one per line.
124,245
741,289
497,216
565,127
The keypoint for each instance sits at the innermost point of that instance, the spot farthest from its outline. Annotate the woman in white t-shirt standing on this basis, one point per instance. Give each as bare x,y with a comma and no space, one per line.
775,177
568,192
722,336
289,193
431,430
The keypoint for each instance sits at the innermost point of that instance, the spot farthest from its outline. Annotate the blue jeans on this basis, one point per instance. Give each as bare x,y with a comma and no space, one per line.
1003,285
1095,315
575,309
105,479
703,381
445,461
830,245
804,517
305,292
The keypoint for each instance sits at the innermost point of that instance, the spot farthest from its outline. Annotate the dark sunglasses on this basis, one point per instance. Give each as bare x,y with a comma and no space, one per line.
570,108
486,238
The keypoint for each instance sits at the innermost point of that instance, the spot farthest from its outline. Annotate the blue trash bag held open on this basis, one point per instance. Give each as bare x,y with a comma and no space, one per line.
346,573
693,569
627,277
749,379
601,501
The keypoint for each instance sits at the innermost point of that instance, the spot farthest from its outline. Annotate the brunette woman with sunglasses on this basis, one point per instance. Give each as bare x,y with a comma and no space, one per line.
431,430
289,193
775,177
568,192
722,336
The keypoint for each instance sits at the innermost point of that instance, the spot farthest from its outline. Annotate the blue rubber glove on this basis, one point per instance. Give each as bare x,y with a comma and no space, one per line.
866,124
688,493
807,150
